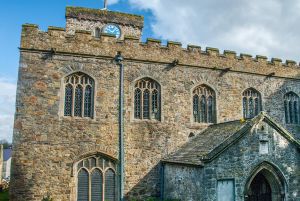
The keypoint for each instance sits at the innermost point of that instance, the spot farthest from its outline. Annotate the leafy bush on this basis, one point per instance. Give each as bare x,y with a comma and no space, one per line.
47,198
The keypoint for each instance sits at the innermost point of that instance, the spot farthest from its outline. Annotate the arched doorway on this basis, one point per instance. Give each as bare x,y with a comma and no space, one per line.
260,189
266,183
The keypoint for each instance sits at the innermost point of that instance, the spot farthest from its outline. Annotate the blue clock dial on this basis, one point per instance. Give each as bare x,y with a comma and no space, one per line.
112,29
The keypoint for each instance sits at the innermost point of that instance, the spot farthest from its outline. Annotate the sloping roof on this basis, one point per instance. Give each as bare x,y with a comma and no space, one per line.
216,138
6,154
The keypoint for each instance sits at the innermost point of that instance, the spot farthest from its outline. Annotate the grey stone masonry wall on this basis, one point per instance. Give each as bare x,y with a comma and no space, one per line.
238,163
47,144
89,19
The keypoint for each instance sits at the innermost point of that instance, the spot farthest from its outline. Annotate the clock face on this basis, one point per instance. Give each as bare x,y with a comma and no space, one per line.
112,29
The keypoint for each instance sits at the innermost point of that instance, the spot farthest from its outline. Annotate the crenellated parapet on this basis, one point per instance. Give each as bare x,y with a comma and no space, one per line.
84,43
105,16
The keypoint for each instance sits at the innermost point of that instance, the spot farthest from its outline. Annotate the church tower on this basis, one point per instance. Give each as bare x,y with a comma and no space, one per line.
103,21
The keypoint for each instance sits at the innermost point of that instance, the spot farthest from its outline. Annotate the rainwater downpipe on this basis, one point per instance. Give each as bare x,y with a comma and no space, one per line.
119,59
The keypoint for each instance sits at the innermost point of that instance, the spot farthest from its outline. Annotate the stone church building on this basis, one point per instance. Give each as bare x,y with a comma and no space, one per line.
199,125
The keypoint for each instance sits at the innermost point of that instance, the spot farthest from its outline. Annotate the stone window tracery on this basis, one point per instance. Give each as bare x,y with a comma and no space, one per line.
251,103
147,99
96,179
291,108
204,103
79,92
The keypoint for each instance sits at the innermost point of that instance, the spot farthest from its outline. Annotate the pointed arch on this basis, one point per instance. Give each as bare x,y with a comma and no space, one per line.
274,178
96,185
96,177
291,108
204,104
79,95
147,99
110,187
83,185
251,103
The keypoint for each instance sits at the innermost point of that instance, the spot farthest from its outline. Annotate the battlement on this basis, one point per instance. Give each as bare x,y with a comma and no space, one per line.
84,43
105,16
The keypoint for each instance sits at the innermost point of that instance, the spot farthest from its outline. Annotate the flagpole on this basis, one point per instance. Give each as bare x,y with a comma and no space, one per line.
105,5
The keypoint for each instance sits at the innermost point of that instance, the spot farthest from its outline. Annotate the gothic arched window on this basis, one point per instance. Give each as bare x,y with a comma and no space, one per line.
251,103
147,99
79,92
97,32
204,104
96,179
291,108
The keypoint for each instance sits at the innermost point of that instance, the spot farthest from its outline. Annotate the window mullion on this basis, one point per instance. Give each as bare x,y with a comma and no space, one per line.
103,185
90,187
73,99
287,112
142,104
298,112
199,110
150,104
206,108
247,107
213,110
82,100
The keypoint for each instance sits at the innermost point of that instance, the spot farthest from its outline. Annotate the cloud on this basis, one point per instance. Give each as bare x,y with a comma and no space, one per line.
268,27
7,108
111,2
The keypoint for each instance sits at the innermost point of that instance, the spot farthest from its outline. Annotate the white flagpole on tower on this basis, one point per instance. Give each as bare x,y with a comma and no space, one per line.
105,5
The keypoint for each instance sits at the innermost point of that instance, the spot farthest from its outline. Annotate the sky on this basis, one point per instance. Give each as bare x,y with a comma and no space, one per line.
269,27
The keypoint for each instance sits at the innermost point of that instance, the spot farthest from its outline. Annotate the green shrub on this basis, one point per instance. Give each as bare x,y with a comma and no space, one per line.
47,198
4,195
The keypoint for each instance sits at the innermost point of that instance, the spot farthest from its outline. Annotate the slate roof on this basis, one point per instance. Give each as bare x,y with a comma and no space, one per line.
6,154
216,138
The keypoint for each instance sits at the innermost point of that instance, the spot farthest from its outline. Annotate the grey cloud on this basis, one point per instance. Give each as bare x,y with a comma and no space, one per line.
268,27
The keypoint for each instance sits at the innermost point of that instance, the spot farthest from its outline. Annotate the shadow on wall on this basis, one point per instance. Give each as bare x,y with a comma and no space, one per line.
148,188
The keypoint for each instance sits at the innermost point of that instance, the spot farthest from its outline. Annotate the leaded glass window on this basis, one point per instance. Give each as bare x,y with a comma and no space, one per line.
147,99
79,93
97,32
291,108
137,103
96,179
110,187
195,108
204,104
146,104
96,185
88,101
78,101
68,99
83,185
251,103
